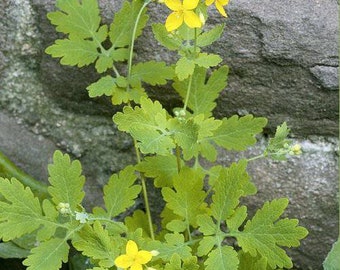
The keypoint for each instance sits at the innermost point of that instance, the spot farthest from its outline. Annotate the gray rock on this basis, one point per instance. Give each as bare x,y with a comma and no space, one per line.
283,56
327,76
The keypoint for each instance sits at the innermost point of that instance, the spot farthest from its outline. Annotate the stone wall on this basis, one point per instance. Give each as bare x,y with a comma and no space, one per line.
283,57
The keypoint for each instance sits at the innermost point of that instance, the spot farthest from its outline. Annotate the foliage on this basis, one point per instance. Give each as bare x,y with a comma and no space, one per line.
204,223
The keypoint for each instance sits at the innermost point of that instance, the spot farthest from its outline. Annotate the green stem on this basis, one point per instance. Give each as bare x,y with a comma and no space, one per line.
133,37
142,178
190,77
256,157
8,169
188,93
178,157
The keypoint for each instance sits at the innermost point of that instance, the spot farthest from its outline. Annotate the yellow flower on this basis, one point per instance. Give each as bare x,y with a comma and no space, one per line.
134,258
219,5
182,12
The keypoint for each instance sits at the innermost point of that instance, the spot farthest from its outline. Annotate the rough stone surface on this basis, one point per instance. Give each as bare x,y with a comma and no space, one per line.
284,65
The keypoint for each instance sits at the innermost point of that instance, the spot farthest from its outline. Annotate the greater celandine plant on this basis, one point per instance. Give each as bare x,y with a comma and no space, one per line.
203,223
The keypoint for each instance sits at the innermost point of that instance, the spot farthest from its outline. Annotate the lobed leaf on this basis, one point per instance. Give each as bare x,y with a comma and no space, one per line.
152,72
104,86
184,68
74,52
187,198
249,262
174,244
48,255
161,168
76,18
95,242
278,142
66,180
222,258
124,22
238,133
232,184
148,124
176,263
165,38
121,191
203,92
20,212
207,60
208,37
264,234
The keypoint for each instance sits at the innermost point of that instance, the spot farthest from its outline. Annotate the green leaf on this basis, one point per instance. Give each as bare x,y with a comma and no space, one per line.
187,198
48,255
232,184
207,127
148,125
207,60
176,263
264,234
161,168
203,92
208,37
236,220
74,52
66,180
184,68
21,212
174,245
121,95
76,18
120,192
238,133
248,262
104,86
185,134
124,21
165,38
95,243
138,220
10,250
83,46
152,72
278,143
332,261
222,258
213,236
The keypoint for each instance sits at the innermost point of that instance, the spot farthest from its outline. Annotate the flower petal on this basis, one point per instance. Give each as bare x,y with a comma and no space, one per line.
191,19
124,261
136,266
190,4
131,249
223,2
209,2
143,257
220,9
174,20
174,5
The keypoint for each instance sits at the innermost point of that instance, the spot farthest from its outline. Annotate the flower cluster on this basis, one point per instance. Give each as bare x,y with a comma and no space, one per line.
184,11
64,208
